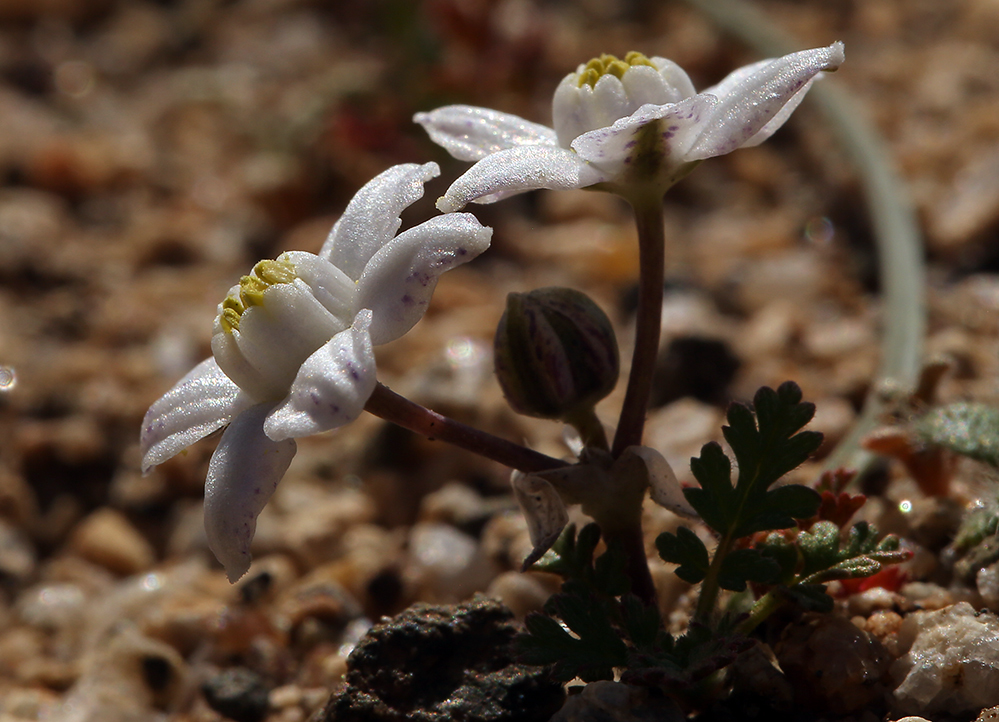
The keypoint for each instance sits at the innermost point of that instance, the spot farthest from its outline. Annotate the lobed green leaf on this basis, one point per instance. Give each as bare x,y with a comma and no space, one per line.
687,550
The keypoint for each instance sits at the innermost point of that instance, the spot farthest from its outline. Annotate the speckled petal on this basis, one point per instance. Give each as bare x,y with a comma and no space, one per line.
613,149
470,133
664,487
202,402
752,99
242,476
543,509
331,388
399,281
525,168
371,219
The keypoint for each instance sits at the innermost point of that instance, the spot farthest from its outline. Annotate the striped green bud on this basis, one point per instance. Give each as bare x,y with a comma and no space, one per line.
555,353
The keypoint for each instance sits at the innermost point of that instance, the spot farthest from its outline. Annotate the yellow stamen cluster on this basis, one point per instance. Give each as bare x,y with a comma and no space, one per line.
251,290
610,65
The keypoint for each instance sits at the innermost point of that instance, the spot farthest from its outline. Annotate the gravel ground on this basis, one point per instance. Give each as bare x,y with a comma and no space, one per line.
151,152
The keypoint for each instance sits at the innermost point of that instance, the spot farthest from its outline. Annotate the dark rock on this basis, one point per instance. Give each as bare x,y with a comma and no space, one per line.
443,663
694,366
239,694
607,701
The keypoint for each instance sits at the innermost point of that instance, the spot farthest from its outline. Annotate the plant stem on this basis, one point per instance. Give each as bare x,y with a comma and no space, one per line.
637,564
763,608
709,587
388,405
590,430
648,321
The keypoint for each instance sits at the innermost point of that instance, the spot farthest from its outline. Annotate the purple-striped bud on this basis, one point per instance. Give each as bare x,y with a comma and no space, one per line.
555,353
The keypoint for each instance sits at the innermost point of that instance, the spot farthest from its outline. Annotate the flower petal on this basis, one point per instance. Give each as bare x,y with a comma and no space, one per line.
470,133
677,83
371,219
517,170
264,354
242,476
398,282
332,287
615,148
543,509
751,100
664,487
331,388
202,402
577,109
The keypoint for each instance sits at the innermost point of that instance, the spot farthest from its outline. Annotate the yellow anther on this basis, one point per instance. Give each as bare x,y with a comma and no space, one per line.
251,290
272,272
229,320
610,65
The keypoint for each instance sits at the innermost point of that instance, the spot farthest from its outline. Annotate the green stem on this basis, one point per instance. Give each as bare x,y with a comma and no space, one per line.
648,321
763,608
390,406
709,587
772,601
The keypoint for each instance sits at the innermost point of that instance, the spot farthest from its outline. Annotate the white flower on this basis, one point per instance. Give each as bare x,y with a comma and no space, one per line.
632,126
293,349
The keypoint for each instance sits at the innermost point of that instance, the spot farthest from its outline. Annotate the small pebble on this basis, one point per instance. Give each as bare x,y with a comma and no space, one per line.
448,564
950,661
832,665
107,538
523,593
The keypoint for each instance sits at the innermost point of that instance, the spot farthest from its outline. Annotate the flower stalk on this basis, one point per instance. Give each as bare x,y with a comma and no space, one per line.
387,404
651,248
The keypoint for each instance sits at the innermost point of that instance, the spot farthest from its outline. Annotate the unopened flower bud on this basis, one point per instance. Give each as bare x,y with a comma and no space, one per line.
555,353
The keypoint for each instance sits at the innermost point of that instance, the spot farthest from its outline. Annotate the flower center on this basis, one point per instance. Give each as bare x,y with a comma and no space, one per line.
610,65
251,290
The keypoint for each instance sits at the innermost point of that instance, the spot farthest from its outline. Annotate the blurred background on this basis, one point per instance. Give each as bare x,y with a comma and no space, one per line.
151,152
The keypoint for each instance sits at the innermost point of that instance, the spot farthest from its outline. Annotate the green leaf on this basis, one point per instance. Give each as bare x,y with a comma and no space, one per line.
812,597
747,565
783,552
561,558
969,429
715,501
643,623
687,550
820,547
679,664
609,576
767,442
780,508
591,654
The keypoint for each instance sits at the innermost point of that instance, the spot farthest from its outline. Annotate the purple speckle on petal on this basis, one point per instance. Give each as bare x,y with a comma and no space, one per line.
315,398
407,300
462,251
673,128
631,144
334,409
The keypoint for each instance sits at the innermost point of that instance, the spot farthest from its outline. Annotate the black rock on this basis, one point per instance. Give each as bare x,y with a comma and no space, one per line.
239,694
452,663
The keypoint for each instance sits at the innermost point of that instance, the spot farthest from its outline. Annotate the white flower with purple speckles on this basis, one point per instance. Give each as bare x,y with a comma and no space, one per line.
627,126
293,349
